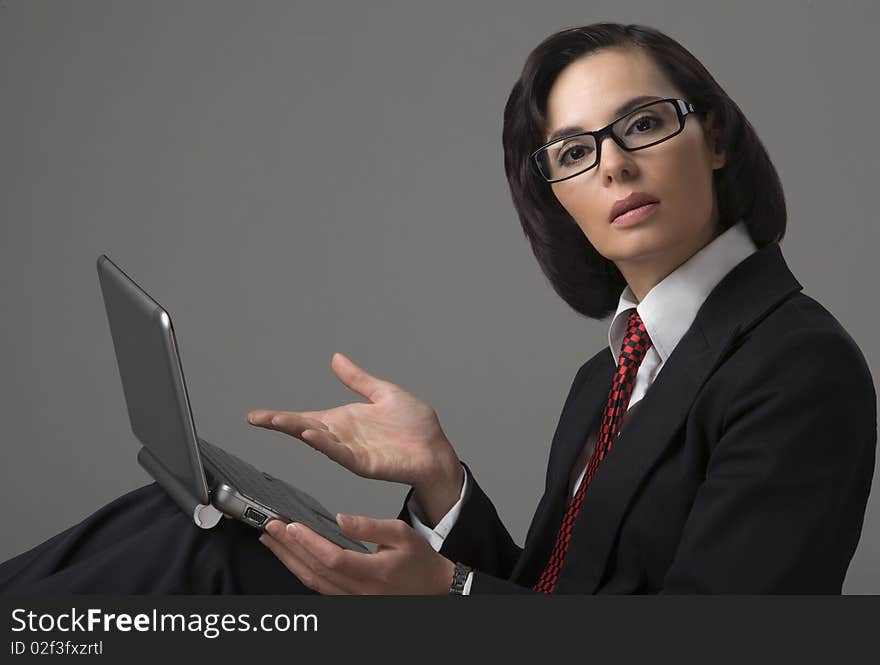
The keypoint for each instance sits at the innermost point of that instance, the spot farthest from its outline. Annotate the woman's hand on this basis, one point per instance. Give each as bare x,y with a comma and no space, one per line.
404,563
395,437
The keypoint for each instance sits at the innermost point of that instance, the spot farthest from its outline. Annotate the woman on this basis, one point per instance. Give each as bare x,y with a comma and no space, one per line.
646,194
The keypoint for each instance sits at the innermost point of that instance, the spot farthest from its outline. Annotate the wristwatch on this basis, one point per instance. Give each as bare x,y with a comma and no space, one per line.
459,577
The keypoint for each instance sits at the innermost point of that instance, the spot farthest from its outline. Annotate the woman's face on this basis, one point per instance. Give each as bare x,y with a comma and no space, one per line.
678,172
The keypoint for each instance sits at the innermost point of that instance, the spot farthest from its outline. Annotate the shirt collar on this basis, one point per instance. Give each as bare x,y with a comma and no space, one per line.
670,307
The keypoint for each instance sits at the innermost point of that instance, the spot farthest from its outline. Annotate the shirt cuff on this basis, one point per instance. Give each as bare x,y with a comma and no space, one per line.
466,591
438,534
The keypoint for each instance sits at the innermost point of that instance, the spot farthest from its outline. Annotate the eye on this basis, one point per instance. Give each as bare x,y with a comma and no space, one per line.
642,121
574,153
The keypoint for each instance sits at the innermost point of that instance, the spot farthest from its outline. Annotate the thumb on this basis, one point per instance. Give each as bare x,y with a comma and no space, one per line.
372,530
356,378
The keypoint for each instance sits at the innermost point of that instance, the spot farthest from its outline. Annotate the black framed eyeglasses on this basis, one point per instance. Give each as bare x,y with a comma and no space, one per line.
647,125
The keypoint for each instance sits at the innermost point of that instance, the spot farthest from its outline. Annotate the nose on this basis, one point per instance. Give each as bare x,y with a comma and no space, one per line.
613,158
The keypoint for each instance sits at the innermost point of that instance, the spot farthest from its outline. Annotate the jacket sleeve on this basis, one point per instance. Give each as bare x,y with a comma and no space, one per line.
781,507
479,537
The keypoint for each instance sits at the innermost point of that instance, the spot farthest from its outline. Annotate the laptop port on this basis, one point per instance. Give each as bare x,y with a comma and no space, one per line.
254,516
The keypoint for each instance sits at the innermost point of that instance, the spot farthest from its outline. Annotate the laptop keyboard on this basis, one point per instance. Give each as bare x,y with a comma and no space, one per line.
282,497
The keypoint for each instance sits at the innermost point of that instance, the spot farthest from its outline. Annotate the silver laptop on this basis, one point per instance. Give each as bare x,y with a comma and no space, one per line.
202,478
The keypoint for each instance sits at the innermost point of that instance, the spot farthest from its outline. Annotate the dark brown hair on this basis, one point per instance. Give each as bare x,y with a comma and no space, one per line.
747,186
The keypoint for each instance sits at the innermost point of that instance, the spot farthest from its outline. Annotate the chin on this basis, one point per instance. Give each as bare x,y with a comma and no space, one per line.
637,242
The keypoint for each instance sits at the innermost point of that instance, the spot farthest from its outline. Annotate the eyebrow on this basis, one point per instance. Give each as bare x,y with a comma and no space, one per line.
627,106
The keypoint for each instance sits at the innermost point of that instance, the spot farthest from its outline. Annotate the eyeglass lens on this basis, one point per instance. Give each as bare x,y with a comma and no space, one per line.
567,157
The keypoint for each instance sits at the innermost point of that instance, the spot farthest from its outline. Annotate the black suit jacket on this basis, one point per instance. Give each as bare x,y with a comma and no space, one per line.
746,468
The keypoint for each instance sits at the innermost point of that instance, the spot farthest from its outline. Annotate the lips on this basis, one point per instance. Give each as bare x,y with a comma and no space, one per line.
634,200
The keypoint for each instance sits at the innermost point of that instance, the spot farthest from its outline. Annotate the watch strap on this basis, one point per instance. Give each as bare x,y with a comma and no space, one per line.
459,577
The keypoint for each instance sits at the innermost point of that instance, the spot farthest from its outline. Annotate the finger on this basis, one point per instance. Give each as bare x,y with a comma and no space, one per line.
296,424
358,379
321,557
298,567
372,530
363,568
329,444
293,422
321,439
316,572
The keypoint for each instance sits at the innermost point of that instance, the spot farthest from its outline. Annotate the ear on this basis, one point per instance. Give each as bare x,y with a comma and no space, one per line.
713,136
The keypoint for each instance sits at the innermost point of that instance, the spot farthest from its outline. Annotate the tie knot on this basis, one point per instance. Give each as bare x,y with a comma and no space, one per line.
636,341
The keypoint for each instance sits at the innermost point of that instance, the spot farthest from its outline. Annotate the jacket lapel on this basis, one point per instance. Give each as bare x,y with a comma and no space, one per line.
747,293
580,417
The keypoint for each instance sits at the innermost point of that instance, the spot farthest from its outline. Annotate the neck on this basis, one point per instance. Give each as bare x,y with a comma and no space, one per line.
643,273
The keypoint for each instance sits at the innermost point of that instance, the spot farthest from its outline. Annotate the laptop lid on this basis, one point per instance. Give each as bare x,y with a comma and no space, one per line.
152,376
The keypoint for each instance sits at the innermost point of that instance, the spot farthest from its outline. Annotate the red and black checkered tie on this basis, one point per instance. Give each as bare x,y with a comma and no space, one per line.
636,343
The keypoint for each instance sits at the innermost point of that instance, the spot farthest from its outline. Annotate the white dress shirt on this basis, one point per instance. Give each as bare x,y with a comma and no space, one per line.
667,310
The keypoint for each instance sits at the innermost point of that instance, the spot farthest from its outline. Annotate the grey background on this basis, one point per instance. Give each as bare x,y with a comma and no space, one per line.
291,179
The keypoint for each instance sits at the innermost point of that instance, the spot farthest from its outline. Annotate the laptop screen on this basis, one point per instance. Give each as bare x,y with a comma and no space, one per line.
152,376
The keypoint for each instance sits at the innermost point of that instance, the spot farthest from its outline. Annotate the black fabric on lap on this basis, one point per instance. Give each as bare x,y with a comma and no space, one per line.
142,543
